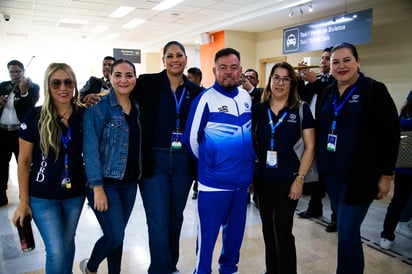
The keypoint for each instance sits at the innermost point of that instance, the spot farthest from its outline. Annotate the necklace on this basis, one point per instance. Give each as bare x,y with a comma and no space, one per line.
67,114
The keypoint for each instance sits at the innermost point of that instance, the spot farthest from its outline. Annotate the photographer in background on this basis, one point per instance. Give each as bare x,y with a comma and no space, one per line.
16,98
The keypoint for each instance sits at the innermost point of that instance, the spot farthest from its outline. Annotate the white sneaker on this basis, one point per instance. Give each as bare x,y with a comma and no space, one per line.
385,243
404,229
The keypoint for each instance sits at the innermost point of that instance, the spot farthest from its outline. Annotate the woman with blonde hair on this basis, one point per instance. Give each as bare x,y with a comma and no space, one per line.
50,167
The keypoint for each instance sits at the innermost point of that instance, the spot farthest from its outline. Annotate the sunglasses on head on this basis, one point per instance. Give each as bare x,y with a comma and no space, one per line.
56,83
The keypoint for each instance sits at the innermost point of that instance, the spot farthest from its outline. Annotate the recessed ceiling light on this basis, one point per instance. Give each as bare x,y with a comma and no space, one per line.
133,23
166,4
122,11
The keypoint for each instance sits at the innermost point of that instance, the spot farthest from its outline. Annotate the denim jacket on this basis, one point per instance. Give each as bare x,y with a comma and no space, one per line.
106,140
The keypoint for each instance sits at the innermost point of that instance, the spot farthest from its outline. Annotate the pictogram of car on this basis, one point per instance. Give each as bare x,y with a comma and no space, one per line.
291,40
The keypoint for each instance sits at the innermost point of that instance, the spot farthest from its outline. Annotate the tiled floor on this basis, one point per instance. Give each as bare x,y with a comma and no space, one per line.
316,249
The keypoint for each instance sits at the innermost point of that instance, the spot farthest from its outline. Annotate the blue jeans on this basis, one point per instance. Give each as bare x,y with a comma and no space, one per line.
349,220
164,198
121,199
57,221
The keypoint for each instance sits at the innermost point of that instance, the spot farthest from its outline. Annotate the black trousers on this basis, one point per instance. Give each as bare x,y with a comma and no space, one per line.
9,144
401,193
276,213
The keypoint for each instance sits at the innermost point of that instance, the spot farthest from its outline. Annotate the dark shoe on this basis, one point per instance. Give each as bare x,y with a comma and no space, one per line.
194,197
310,214
331,227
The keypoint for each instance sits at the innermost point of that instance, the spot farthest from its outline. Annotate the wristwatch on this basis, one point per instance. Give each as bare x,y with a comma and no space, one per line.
301,176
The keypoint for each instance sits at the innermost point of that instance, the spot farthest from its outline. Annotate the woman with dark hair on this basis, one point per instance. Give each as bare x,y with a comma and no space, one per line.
357,145
403,185
279,174
165,100
50,167
112,156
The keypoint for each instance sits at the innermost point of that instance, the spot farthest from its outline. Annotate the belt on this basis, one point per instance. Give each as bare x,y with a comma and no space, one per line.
9,127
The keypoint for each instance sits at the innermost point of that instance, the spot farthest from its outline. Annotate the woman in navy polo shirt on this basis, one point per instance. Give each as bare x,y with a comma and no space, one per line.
279,173
50,167
357,146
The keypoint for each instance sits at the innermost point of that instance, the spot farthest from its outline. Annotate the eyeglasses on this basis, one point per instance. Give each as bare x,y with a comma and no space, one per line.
285,80
56,83
15,71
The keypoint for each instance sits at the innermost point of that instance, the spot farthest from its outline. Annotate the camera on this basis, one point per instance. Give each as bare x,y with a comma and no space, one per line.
6,17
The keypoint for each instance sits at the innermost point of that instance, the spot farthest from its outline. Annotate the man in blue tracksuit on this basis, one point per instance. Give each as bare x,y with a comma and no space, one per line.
218,134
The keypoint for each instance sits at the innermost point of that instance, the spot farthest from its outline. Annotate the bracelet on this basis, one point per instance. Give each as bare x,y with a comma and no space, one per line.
300,176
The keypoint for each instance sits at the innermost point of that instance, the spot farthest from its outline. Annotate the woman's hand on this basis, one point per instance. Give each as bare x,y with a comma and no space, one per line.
296,188
22,210
100,199
384,186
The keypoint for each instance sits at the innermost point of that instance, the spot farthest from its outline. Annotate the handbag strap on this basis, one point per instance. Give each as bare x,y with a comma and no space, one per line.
300,116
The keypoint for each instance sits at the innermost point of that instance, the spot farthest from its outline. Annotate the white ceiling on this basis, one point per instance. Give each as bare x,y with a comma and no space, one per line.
36,22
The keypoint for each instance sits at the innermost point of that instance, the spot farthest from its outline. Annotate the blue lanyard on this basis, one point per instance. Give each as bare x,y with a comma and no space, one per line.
178,104
337,108
273,127
65,141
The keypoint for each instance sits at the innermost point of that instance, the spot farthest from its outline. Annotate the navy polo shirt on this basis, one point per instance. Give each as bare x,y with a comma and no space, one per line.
339,163
46,173
286,136
165,121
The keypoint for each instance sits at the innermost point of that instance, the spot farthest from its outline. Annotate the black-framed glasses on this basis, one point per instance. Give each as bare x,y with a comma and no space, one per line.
15,71
56,83
285,80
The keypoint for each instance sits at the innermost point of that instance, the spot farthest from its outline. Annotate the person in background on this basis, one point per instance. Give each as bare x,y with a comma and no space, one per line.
165,100
50,168
403,185
195,75
357,146
16,98
310,93
250,81
218,134
96,87
279,173
112,155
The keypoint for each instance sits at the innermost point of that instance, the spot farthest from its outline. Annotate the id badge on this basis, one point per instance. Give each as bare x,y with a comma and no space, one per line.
271,159
332,139
176,140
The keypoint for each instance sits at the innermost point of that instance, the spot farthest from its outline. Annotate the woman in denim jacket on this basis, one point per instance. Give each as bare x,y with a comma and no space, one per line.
111,132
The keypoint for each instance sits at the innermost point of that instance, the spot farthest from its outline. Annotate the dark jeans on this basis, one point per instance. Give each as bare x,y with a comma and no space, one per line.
164,198
9,144
401,194
276,213
121,199
350,218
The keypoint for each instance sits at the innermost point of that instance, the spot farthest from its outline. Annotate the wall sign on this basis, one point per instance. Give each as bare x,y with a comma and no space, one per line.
354,28
132,55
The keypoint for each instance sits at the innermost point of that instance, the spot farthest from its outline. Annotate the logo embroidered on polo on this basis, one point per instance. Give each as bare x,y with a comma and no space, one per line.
292,118
23,126
354,99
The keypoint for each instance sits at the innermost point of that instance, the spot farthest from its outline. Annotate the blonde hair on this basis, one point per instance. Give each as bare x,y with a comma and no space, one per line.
293,98
49,128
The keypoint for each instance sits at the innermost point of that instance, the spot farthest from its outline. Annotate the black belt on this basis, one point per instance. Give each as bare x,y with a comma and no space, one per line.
9,127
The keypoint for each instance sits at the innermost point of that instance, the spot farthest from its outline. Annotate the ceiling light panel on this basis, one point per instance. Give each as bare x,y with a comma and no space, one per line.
166,4
122,11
